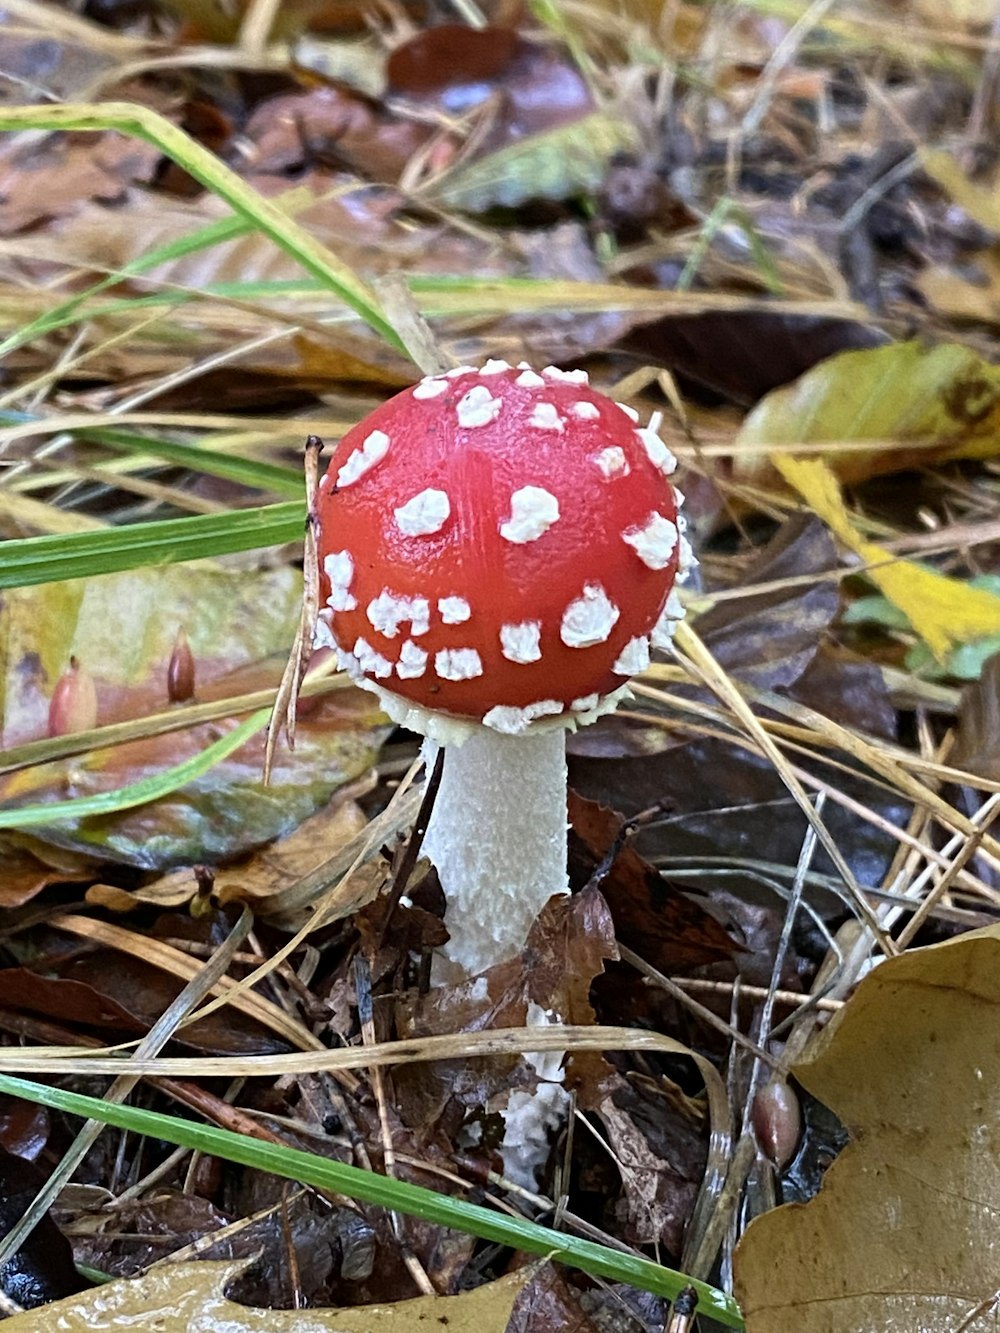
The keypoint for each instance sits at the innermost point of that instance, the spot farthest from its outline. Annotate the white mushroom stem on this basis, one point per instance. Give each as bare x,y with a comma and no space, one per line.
497,837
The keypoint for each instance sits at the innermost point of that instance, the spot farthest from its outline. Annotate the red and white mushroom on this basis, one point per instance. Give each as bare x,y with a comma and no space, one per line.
499,549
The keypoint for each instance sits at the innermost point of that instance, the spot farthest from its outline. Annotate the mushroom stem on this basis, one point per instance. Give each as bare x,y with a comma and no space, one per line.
497,837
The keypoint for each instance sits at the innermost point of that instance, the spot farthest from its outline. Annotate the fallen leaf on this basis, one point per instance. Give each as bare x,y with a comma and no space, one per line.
25,875
745,355
651,914
944,611
900,1236
977,744
557,164
768,636
915,404
122,627
451,54
180,1298
548,1302
981,202
658,1140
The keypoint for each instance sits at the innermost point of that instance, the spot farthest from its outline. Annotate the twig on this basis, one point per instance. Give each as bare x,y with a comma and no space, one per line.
366,1016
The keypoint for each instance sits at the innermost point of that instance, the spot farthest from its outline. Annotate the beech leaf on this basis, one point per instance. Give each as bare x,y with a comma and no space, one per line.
902,1235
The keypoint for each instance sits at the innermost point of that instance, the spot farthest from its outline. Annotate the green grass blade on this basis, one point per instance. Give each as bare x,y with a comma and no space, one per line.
398,1195
76,555
214,175
137,793
247,471
199,458
66,312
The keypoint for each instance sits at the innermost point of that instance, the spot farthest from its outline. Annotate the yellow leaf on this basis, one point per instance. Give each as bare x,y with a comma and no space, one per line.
942,610
183,1298
981,202
906,404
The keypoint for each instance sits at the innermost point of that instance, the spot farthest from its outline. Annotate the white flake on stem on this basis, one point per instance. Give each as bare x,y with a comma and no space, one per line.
497,868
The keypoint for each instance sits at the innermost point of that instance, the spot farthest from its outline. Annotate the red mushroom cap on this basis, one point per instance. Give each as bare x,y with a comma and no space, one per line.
499,545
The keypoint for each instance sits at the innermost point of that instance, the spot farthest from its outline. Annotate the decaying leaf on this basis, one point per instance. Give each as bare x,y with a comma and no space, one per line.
916,404
122,628
944,611
650,914
901,1236
744,354
181,1298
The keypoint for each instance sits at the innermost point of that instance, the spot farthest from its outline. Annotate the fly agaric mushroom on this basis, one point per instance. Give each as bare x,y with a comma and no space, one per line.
498,550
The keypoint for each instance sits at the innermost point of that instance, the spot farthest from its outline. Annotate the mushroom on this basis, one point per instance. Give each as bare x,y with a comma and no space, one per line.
498,551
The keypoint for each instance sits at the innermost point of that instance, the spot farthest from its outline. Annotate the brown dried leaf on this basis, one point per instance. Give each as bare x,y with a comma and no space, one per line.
650,915
23,875
658,1141
745,356
900,1235
769,637
977,746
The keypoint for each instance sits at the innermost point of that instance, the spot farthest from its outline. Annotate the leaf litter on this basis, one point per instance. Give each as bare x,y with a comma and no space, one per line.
736,216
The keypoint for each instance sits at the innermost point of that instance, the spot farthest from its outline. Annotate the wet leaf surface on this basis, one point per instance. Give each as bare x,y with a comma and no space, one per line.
745,355
177,1297
42,1271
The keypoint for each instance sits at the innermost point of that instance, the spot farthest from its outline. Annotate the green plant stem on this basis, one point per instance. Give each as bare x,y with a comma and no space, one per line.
136,793
396,1195
76,555
214,175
